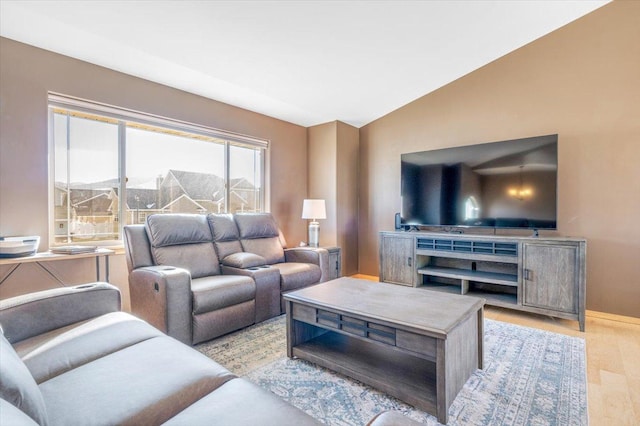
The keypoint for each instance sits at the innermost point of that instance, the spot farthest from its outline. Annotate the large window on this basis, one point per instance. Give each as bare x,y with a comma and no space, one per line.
113,167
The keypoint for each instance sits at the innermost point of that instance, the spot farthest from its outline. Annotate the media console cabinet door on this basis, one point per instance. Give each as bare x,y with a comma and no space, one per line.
397,263
551,276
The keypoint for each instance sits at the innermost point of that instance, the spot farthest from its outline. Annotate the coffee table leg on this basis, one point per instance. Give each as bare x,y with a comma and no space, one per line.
441,381
290,334
481,338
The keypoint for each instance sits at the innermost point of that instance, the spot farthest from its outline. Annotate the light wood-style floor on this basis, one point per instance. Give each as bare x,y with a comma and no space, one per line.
613,359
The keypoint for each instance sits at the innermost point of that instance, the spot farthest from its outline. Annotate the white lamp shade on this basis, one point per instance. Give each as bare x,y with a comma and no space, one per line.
314,209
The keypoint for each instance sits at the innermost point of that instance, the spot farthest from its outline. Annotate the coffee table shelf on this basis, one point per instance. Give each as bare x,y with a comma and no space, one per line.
409,378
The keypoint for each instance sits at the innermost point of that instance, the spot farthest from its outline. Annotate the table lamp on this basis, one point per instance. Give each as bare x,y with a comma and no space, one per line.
314,209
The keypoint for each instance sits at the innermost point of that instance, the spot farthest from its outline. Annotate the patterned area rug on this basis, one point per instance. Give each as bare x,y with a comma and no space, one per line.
531,377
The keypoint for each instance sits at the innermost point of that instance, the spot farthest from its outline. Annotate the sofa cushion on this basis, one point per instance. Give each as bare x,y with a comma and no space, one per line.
256,225
225,234
174,229
223,227
297,275
199,259
259,234
143,384
244,260
11,416
184,241
54,353
269,248
17,386
239,402
211,293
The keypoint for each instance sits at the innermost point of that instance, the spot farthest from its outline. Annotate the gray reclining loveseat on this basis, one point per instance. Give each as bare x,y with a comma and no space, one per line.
197,277
68,357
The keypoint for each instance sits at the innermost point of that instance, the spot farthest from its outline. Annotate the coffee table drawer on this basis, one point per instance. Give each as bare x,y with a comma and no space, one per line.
354,326
346,324
418,343
382,333
303,313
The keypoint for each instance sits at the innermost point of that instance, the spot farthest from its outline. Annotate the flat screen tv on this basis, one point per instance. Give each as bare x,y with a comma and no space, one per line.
508,184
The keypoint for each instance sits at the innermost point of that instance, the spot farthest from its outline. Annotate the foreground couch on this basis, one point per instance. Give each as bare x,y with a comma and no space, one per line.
197,277
69,357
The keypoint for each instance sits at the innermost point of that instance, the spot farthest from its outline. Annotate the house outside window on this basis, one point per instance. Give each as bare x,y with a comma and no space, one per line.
108,163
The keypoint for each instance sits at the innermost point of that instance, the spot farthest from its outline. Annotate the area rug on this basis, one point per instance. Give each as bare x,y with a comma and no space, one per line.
531,377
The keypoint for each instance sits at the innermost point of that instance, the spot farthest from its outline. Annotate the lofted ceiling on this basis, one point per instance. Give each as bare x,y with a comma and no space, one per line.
305,62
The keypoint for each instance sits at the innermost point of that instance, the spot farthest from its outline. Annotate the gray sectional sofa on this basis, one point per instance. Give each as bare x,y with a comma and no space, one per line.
197,277
69,356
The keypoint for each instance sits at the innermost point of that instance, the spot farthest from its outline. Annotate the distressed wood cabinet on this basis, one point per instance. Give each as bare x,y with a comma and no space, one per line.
397,259
335,262
550,276
542,275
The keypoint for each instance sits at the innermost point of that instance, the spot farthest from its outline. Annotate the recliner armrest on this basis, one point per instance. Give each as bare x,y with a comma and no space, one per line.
316,255
32,314
161,295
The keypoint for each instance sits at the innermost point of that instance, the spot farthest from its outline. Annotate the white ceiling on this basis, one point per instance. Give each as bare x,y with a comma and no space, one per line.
306,62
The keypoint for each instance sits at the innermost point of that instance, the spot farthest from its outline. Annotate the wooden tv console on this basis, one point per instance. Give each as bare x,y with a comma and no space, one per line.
535,274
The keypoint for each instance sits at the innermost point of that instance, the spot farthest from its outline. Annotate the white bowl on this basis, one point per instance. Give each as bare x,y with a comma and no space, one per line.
18,246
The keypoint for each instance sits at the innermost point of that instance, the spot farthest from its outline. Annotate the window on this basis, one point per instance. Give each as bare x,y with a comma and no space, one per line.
471,208
113,167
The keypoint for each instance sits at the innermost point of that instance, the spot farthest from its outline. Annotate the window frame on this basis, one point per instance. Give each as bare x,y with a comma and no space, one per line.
125,116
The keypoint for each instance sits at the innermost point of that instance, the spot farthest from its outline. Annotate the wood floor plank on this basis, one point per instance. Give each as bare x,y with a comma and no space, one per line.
616,400
596,410
634,391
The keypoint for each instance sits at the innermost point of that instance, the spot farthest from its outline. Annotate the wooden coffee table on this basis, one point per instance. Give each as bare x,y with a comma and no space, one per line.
418,345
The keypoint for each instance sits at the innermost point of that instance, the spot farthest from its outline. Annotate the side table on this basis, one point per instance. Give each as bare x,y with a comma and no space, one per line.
335,262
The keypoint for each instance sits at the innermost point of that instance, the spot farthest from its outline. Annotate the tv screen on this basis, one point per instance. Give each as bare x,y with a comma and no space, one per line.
508,184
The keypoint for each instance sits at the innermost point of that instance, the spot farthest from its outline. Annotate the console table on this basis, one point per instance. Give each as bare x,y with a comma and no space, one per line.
534,274
41,258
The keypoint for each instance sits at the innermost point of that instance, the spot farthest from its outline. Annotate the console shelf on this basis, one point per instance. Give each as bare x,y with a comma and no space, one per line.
504,300
470,275
534,274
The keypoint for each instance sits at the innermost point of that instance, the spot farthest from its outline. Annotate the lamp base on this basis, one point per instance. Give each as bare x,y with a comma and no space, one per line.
314,234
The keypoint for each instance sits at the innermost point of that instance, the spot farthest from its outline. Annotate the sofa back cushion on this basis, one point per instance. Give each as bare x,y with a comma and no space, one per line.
259,234
184,241
17,385
226,237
